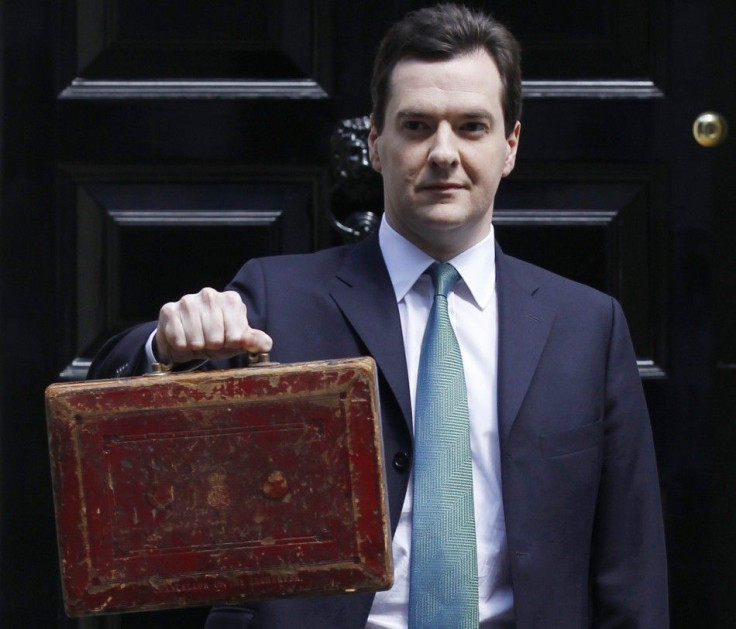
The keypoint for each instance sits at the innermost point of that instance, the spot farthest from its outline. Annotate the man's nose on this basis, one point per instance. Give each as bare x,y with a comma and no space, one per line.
443,152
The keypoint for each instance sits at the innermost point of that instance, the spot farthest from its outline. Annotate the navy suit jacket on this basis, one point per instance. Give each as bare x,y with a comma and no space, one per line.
579,479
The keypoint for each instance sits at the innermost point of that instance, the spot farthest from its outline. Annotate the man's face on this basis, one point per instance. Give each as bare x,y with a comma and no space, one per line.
443,151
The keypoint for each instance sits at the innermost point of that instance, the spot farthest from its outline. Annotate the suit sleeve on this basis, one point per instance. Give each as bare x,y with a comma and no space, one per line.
629,571
123,355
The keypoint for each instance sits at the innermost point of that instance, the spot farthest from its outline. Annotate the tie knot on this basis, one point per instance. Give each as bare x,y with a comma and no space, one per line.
444,277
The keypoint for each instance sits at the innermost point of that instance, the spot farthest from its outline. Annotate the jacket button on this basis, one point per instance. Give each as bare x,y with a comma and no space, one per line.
401,462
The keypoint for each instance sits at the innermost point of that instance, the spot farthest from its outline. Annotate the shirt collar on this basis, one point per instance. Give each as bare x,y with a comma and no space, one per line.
406,263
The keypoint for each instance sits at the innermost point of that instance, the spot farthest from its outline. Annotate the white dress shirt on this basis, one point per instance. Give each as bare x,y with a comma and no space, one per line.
473,313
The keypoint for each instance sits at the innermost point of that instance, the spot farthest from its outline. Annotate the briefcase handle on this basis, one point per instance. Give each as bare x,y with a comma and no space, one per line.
262,359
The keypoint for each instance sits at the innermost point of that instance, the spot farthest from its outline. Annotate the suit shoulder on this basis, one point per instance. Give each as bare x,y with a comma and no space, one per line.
303,264
557,288
323,258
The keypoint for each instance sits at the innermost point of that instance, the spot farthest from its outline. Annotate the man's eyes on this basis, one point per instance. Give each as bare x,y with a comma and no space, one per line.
471,127
415,125
474,127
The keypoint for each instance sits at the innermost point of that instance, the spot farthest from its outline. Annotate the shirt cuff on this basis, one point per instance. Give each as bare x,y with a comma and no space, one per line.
151,358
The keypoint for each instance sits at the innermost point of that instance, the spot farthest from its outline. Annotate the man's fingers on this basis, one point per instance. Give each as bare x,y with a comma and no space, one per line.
238,333
259,342
172,339
208,308
208,324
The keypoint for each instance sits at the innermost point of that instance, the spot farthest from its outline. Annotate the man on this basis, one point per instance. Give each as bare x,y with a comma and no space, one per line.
567,520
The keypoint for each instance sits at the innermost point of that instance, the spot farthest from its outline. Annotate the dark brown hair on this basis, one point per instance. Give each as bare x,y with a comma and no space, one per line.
443,32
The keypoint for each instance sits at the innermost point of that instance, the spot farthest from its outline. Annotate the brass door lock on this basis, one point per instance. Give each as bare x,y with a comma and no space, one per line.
710,129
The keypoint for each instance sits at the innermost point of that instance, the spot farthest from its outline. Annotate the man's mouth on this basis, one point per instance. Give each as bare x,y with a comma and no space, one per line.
441,187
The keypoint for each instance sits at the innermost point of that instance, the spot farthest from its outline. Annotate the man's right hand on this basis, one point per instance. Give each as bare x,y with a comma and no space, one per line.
207,325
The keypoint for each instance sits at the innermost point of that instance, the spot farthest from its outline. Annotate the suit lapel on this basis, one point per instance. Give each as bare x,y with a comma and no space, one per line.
524,323
363,291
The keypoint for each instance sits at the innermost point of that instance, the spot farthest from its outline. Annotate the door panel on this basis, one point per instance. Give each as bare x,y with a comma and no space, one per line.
598,49
218,49
147,235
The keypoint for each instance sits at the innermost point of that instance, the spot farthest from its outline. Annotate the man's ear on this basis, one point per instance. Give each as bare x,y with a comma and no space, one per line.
512,146
373,138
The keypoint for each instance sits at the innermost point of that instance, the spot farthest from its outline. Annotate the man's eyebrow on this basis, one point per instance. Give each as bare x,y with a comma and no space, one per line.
413,113
478,113
473,114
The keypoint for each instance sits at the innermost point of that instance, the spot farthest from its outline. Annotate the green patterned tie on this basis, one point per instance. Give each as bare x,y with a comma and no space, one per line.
444,564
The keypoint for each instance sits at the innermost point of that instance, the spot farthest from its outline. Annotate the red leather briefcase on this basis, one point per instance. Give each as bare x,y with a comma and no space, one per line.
219,486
